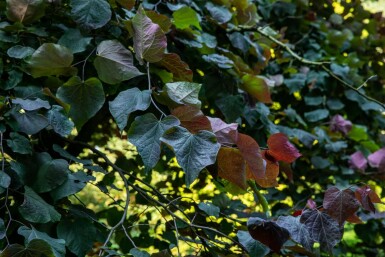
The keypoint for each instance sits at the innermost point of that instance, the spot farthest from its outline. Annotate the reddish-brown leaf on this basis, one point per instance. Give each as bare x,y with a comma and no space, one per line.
163,21
340,205
366,196
177,67
192,118
231,166
281,149
271,174
221,129
257,87
251,153
354,219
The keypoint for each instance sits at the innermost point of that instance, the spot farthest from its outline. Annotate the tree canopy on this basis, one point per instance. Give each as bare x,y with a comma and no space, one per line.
191,128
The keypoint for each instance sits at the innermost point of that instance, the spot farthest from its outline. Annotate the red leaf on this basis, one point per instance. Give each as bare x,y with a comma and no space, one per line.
271,174
297,213
221,129
232,166
281,149
340,205
192,118
354,219
177,67
366,196
251,153
268,233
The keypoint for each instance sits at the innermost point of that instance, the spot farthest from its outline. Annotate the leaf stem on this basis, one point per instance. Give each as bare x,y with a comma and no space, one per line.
261,199
149,88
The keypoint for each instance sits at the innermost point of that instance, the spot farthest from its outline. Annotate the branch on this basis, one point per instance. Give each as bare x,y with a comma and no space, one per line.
149,88
306,61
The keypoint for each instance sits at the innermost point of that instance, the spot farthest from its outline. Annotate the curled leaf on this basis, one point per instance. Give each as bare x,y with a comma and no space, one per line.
281,149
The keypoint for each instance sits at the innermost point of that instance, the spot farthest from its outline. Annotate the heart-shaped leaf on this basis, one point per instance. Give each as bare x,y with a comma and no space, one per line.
222,130
253,247
92,14
127,102
150,41
145,133
366,196
281,149
35,248
192,118
184,93
85,98
25,11
51,59
298,231
268,233
114,63
232,166
180,70
193,151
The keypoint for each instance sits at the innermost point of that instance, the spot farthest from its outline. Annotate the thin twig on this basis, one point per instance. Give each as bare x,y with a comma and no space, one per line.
149,88
85,62
128,236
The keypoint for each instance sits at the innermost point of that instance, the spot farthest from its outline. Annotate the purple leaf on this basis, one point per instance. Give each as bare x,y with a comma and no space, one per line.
376,158
221,129
339,124
149,39
358,161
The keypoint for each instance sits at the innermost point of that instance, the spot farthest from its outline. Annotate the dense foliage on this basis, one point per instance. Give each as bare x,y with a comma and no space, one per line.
200,128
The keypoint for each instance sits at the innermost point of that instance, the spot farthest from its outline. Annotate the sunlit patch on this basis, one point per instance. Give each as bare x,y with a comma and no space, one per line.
380,63
366,21
276,106
272,53
277,121
297,95
345,54
349,15
364,34
379,50
212,111
201,73
338,8
315,142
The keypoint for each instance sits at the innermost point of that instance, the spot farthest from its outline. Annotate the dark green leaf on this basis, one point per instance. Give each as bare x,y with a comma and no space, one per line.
316,115
68,156
114,63
35,248
58,245
313,101
186,17
210,209
91,14
220,13
219,60
14,78
127,102
231,106
85,98
31,105
358,133
298,231
138,253
149,40
25,11
145,133
75,183
35,209
29,122
2,229
51,59
253,247
19,143
74,40
296,82
20,52
59,121
184,93
336,146
79,235
51,175
193,151
5,181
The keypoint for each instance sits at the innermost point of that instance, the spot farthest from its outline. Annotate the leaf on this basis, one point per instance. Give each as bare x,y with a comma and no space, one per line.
209,208
193,151
79,235
114,63
184,93
74,183
231,106
322,228
219,60
85,98
29,122
271,174
19,143
186,17
35,209
366,196
25,11
51,175
222,130
192,118
2,229
376,158
138,253
57,245
31,105
35,248
14,79
163,21
220,13
180,70
145,133
281,149
250,151
298,231
257,87
232,166
316,115
253,247
340,205
150,41
358,161
59,121
20,52
74,40
127,102
268,233
92,14
5,181
51,59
